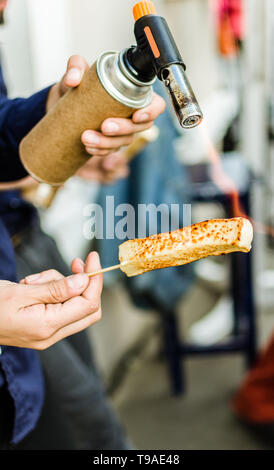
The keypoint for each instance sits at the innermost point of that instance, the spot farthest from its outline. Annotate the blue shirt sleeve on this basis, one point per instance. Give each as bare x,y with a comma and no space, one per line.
17,118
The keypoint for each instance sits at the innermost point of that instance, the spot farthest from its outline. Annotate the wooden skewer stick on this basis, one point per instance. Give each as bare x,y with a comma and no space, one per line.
106,270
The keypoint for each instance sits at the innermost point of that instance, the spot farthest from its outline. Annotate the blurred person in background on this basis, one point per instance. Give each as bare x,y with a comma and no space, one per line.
156,178
54,400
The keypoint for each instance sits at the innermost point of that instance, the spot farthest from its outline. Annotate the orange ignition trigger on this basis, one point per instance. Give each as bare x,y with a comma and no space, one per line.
143,8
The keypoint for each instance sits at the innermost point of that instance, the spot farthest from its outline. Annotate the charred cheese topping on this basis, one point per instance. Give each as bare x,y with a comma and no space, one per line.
210,238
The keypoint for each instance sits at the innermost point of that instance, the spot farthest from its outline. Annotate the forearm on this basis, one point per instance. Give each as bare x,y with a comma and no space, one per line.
23,183
17,118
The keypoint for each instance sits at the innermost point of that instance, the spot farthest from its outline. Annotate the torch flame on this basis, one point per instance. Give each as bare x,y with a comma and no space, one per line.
219,176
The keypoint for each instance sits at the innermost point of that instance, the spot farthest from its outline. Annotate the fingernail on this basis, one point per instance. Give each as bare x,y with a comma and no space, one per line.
74,75
77,282
32,278
94,259
81,262
92,151
143,117
91,138
111,127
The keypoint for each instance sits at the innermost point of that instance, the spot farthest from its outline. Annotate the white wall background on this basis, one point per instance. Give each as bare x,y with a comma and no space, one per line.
40,35
50,39
15,48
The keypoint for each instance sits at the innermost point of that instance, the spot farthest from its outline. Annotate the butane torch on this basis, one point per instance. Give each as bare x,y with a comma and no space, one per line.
115,86
156,54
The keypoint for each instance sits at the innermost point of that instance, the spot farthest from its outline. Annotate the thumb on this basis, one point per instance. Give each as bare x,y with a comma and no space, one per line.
6,284
76,68
60,291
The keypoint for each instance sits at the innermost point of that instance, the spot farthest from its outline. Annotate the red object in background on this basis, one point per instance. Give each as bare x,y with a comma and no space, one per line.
3,4
254,402
230,20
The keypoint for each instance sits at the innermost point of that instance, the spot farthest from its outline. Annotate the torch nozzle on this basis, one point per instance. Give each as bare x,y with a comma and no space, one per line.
182,96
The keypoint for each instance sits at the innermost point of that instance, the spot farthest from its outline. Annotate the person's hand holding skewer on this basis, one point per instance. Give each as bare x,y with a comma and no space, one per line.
47,307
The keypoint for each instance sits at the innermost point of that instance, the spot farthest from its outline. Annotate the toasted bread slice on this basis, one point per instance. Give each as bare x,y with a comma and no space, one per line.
210,238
